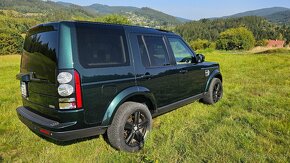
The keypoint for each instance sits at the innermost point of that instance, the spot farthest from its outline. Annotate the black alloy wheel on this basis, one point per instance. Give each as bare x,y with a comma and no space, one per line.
136,128
217,92
130,126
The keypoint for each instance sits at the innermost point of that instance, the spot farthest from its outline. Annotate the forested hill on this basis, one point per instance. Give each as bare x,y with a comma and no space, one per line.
53,11
44,10
210,29
141,16
280,17
273,14
17,16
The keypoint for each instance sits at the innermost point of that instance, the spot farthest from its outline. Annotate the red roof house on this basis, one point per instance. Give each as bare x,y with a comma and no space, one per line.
276,43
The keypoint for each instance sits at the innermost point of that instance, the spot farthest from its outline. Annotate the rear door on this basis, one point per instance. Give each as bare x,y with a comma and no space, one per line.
39,65
105,66
191,76
155,69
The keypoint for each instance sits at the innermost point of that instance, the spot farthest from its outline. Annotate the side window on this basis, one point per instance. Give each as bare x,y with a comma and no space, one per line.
44,43
101,46
143,52
153,51
182,53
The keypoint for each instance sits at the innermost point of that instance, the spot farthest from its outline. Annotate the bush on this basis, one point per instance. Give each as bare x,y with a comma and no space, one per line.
212,45
236,39
263,42
10,43
201,44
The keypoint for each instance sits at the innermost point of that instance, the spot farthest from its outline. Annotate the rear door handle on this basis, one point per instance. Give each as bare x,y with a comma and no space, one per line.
183,71
27,77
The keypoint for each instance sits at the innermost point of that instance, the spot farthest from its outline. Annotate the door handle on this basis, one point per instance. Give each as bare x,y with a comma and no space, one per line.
147,75
183,71
27,77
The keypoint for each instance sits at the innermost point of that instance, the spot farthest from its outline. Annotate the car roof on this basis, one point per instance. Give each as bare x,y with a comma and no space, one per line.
131,28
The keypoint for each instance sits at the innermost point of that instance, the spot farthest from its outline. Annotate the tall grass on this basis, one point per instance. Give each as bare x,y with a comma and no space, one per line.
251,123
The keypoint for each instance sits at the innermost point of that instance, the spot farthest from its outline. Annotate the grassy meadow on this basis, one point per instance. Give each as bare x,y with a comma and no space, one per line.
250,124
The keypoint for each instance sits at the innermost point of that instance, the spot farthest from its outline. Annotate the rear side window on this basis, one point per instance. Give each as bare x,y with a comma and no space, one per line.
40,52
44,43
101,45
153,51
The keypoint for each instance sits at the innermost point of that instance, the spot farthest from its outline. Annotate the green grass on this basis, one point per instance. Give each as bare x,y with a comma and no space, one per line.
250,124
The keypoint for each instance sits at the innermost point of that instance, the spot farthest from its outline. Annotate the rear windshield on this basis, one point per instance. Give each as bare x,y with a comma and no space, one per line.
101,45
40,53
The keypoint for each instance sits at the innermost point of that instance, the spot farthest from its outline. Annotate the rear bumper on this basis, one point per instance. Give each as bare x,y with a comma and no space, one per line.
55,130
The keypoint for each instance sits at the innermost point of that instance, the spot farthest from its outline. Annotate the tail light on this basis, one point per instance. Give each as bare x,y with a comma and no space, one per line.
70,90
65,90
78,89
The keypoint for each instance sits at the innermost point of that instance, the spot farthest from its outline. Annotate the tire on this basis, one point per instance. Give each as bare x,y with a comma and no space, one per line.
130,126
215,92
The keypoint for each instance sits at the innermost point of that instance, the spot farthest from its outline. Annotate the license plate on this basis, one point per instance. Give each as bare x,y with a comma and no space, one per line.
23,89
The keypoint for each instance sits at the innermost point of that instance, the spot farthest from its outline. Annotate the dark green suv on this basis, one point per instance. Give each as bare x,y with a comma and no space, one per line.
80,79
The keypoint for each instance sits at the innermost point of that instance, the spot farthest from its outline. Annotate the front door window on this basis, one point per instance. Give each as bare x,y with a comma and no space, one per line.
182,53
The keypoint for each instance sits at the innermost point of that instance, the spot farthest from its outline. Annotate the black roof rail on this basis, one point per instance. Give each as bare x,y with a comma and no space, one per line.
163,30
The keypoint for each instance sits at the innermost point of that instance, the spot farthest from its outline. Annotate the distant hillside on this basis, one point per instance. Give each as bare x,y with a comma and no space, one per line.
183,20
54,11
105,9
157,16
260,12
274,14
210,29
45,9
280,17
141,16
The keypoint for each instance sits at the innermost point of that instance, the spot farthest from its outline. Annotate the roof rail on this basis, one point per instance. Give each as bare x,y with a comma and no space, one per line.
163,30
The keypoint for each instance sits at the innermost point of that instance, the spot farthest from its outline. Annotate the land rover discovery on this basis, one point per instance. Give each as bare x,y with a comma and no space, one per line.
80,79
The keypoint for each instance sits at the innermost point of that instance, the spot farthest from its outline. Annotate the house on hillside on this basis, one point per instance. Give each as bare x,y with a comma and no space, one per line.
276,43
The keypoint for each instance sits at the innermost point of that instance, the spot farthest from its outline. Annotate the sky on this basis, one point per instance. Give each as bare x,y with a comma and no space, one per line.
192,9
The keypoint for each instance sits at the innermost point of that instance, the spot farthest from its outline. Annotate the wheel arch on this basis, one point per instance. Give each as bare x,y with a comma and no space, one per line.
136,94
215,74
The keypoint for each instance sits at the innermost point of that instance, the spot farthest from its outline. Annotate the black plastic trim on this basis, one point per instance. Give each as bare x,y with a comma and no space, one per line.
170,107
36,118
36,122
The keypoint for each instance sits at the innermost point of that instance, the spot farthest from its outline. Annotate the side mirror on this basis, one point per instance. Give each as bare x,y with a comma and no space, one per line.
200,58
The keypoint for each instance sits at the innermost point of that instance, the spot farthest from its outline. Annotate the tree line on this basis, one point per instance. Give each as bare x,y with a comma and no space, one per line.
213,32
210,29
